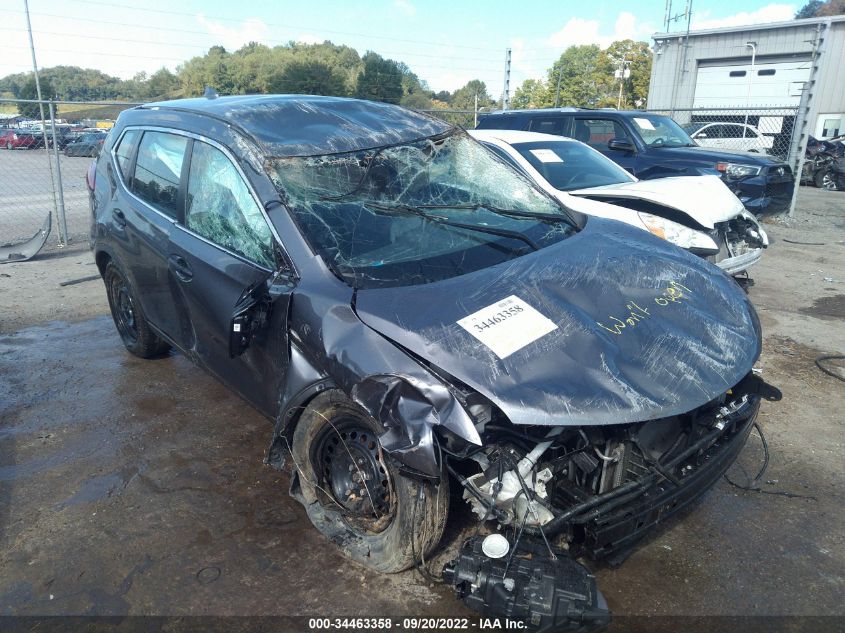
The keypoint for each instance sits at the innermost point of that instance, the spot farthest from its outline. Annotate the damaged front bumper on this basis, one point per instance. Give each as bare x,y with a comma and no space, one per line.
741,242
599,491
619,485
612,527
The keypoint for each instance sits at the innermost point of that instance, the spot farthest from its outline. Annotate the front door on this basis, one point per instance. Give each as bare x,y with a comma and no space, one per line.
220,254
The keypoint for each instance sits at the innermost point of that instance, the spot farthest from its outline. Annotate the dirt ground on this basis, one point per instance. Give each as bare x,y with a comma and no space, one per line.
132,487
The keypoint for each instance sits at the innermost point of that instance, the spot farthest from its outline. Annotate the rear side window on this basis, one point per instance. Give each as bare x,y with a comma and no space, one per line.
221,208
158,169
547,125
501,122
124,151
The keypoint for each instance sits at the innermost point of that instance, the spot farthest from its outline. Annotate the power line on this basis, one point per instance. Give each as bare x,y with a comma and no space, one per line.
205,47
238,20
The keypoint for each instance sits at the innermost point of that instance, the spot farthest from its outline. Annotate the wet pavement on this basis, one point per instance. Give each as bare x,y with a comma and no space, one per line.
137,487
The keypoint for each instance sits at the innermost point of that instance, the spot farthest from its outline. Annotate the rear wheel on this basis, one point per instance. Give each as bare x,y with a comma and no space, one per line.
355,496
132,325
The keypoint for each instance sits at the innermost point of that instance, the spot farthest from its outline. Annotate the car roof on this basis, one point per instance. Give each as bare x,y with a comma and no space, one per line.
515,136
570,110
307,125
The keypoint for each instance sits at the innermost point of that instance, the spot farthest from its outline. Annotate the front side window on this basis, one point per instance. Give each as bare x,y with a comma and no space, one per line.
220,207
568,166
598,132
416,213
158,169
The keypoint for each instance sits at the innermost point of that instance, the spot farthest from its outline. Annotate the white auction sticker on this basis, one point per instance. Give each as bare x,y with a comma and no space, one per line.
507,326
644,124
546,156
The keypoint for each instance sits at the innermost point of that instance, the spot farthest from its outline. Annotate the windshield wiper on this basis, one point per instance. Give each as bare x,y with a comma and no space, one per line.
417,211
511,213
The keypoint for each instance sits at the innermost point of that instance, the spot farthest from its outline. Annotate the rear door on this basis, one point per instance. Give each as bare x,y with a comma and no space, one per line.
150,165
225,260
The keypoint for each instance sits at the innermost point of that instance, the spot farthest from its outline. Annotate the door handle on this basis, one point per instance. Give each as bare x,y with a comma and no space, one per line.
180,267
119,217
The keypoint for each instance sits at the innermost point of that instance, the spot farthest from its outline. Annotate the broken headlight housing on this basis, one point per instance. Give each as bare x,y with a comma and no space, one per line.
679,234
736,170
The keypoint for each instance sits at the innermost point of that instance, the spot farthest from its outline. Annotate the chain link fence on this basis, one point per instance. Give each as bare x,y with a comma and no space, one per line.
758,130
43,166
467,119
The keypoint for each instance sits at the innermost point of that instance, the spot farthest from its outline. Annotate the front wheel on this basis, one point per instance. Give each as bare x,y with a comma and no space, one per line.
132,325
8,145
355,496
828,181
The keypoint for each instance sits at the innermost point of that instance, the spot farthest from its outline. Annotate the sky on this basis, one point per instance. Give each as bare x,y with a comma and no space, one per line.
446,43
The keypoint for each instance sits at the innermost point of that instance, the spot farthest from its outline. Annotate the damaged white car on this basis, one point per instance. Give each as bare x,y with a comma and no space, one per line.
698,213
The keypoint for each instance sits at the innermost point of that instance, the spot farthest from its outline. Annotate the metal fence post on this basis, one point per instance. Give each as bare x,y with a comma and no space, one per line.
61,219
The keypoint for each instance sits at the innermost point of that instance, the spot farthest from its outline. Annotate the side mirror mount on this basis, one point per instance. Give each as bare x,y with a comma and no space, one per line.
252,311
621,145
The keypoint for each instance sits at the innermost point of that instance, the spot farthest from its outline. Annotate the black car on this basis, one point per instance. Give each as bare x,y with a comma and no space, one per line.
654,146
88,144
412,314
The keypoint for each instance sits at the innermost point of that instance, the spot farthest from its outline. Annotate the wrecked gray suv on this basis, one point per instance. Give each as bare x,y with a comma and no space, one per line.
413,314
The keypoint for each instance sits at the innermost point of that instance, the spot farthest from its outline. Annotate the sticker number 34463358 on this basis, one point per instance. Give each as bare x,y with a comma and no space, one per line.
507,326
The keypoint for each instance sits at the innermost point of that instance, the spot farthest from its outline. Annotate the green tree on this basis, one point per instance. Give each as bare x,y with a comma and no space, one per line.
161,85
415,92
637,58
574,79
809,10
533,93
29,91
464,98
831,7
309,77
820,8
380,80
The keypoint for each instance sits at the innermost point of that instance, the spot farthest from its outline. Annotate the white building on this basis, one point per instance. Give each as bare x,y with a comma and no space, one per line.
796,66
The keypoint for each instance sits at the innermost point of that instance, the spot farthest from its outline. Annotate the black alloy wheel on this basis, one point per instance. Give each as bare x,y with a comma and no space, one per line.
132,326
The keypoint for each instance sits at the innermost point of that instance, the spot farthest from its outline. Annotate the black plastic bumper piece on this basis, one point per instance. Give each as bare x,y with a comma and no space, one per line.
547,594
610,536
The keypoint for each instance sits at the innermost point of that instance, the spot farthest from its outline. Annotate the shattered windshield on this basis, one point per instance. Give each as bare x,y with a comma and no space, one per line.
416,213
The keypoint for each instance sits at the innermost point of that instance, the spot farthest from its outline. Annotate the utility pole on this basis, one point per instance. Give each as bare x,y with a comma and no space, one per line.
753,47
506,98
559,75
62,237
622,73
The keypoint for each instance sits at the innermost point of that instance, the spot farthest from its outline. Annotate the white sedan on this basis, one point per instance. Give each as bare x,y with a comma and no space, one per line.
698,213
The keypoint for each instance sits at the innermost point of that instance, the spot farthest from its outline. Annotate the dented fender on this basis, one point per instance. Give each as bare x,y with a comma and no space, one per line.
332,348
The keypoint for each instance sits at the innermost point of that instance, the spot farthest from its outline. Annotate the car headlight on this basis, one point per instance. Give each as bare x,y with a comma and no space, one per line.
678,234
737,170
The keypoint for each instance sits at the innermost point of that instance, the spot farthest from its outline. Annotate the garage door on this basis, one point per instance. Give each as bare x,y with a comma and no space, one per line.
773,84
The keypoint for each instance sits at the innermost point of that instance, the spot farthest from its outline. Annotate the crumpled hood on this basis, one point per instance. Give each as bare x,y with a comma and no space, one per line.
630,328
706,199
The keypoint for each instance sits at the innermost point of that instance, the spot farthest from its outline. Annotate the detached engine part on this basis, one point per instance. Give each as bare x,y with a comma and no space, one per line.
548,594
